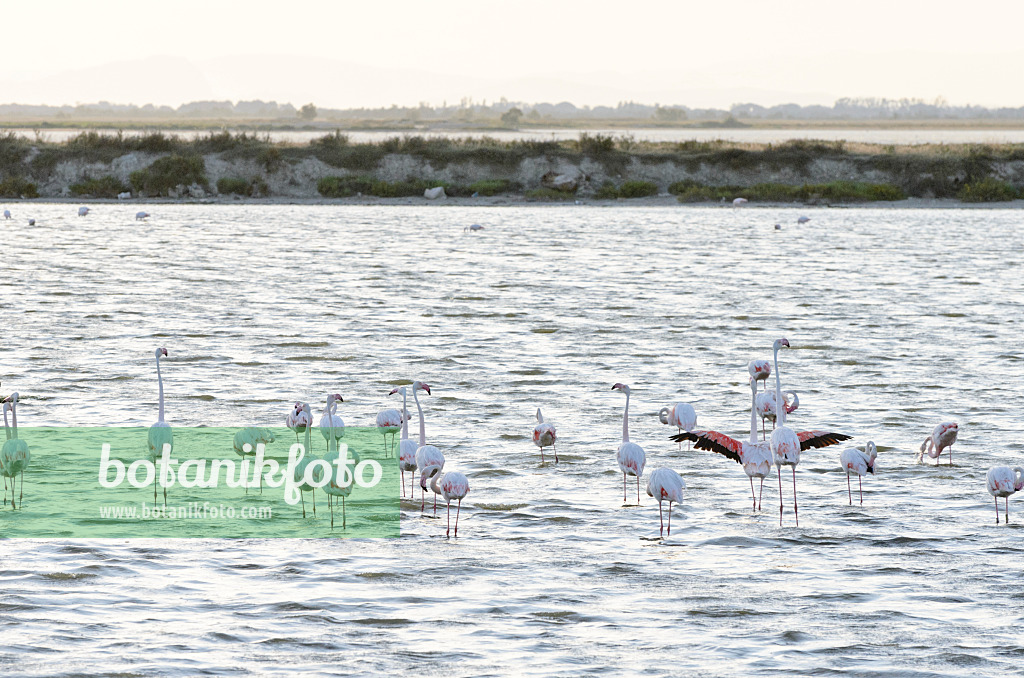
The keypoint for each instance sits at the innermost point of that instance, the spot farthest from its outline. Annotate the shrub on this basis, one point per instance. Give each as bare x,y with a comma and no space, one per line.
104,187
548,194
607,191
988,190
254,187
638,189
493,186
17,187
169,172
343,187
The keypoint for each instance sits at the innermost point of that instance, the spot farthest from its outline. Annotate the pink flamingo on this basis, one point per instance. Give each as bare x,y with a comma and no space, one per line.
451,485
1002,482
942,437
630,456
544,436
665,485
855,461
765,405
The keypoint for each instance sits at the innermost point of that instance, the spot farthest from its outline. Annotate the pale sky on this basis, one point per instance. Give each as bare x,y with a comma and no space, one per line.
349,54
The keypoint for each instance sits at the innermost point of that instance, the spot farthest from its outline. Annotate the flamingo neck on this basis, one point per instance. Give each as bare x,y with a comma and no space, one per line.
7,426
327,408
309,426
625,421
160,386
423,427
780,407
405,419
434,481
14,419
1018,481
753,413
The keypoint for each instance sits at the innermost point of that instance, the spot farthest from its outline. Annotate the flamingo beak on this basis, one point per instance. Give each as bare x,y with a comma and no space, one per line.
393,391
164,351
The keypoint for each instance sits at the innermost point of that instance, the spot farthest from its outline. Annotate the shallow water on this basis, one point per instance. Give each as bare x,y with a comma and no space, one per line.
898,319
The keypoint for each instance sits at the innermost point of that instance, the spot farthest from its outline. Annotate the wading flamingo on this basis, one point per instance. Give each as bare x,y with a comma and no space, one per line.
765,405
665,485
942,437
543,436
630,456
680,415
1002,482
332,428
760,370
855,461
429,459
786,443
298,420
299,472
473,228
160,436
14,455
755,456
83,211
141,216
406,447
7,214
340,482
389,422
451,485
245,443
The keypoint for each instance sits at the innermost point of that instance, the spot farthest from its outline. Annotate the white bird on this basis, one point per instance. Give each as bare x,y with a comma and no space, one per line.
473,228
31,222
429,459
451,485
854,461
665,485
760,370
630,456
7,214
786,444
299,472
739,201
778,227
332,427
943,436
765,405
680,415
247,440
544,436
1002,482
803,220
389,422
406,447
82,211
14,455
754,455
340,482
299,419
141,216
160,436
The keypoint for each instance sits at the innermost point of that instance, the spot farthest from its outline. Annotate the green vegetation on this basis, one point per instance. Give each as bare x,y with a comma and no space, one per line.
105,187
346,187
343,187
836,191
16,187
169,172
253,188
548,195
989,190
629,189
493,187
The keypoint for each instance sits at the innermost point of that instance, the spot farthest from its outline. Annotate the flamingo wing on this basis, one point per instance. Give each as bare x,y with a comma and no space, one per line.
816,439
713,441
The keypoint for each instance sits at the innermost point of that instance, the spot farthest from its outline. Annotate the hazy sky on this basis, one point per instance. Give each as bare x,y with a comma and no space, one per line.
346,54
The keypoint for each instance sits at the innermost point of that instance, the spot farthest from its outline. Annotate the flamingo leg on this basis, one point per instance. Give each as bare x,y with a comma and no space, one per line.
950,455
448,531
303,500
669,518
457,510
344,522
763,434
860,483
752,495
542,455
661,521
423,498
996,499
21,495
332,510
165,497
638,490
623,487
779,467
555,452
759,493
313,492
403,481
848,490
796,514
435,505
1007,521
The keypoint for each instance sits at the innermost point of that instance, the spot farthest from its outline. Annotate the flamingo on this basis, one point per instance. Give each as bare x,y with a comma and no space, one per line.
543,436
787,444
340,483
680,415
665,485
738,202
760,370
473,229
429,459
451,485
7,214
246,441
299,473
855,461
141,216
755,456
298,419
1002,482
630,456
406,447
765,405
83,211
31,222
331,425
942,437
14,455
803,220
388,423
160,436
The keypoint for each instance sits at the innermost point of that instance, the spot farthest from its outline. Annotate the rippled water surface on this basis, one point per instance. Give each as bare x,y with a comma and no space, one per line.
898,319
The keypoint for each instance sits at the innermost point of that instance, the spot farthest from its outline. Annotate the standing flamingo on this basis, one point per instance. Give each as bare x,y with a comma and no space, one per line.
299,419
160,436
299,472
14,455
388,423
340,481
665,485
786,444
543,436
766,407
245,443
630,456
1002,482
429,459
942,437
855,461
755,456
332,427
760,370
406,447
680,415
451,485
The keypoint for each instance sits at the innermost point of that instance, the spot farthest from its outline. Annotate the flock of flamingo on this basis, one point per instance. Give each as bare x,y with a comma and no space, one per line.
781,448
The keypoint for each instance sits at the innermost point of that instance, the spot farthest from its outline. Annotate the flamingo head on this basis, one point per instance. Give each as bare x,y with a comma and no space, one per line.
12,399
621,387
425,386
337,396
782,341
400,390
161,352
